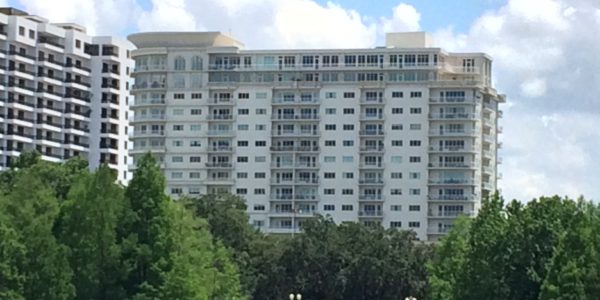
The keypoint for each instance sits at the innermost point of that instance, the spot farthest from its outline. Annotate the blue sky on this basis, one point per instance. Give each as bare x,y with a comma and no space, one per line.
545,60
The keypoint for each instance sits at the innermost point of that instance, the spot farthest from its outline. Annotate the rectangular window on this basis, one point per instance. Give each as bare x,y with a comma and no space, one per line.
397,126
241,191
329,126
195,127
415,110
260,127
242,159
328,207
396,159
176,191
396,143
415,143
260,159
196,95
397,94
348,175
179,96
348,127
196,111
414,208
242,127
329,191
348,95
259,207
242,143
347,192
414,175
178,111
347,208
348,111
329,175
396,175
194,175
195,159
396,192
259,191
348,143
348,159
414,192
396,207
260,143
396,110
330,143
395,224
177,127
242,175
415,126
260,175
415,159
243,111
177,159
261,111
176,175
330,95
329,159
243,95
416,94
330,111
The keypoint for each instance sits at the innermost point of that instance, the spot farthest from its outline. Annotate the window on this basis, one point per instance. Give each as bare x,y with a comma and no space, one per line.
31,34
348,111
241,191
243,95
78,44
396,159
348,159
195,144
260,127
177,127
196,95
348,127
258,223
242,127
414,175
21,30
329,159
177,159
416,94
260,143
195,127
397,126
329,191
330,143
415,159
242,159
194,175
330,111
259,191
397,94
260,159
195,159
415,143
261,111
259,207
179,63
330,95
415,126
176,191
396,207
414,192
347,192
414,224
348,95
415,110
178,111
260,175
177,143
396,175
195,111
396,192
396,110
179,96
243,111
348,175
328,207
395,224
414,208
329,175
242,175
196,63
261,95
396,143
176,175
347,208
329,126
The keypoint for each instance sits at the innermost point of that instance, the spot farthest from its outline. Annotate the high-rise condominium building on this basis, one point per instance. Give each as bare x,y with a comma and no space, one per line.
63,92
404,135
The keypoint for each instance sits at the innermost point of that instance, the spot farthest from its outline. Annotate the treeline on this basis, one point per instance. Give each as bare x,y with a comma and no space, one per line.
66,233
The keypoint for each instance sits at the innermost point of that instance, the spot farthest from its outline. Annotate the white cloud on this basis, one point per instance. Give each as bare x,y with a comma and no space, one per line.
404,18
535,87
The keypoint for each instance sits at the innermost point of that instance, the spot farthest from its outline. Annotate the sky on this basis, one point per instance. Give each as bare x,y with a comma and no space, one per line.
545,60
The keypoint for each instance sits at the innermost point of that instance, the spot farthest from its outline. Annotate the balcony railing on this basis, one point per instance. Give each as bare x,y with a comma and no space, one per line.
450,165
296,101
372,149
295,133
225,165
369,197
292,117
452,149
451,181
22,54
453,100
369,181
450,214
370,213
77,66
454,116
295,148
220,117
452,197
371,132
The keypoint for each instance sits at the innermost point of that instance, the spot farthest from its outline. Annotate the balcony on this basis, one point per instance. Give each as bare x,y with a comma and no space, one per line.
294,148
370,181
296,101
368,149
147,102
451,181
85,114
221,101
149,68
371,198
148,133
297,133
292,117
437,132
371,133
453,116
370,213
148,86
71,80
220,149
22,54
453,198
451,165
455,149
222,133
438,230
148,118
220,117
298,181
77,66
219,165
21,101
453,100
300,198
450,214
371,117
372,101
363,165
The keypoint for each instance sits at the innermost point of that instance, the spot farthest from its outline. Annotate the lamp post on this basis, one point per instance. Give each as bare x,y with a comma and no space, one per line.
295,297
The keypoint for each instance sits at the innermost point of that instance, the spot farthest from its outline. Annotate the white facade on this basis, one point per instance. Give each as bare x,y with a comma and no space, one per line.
403,137
53,96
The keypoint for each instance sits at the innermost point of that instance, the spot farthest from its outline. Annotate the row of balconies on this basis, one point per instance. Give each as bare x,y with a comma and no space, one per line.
307,133
297,181
286,117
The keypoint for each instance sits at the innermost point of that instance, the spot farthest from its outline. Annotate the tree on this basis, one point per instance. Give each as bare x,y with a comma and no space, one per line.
91,214
12,253
30,209
146,232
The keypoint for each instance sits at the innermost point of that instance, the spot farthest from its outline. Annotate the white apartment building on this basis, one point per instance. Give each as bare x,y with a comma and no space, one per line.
64,92
404,135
